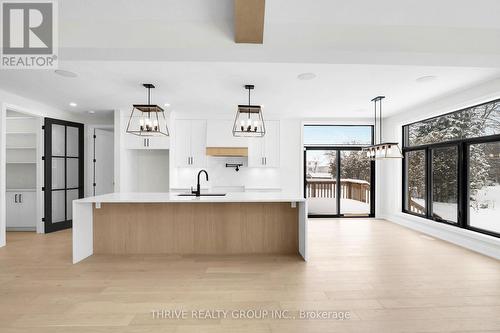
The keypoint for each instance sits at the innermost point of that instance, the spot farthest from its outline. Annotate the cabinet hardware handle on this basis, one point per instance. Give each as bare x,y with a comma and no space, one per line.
192,160
15,198
20,198
148,142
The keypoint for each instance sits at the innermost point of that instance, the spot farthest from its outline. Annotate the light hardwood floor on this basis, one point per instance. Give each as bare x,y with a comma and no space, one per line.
390,278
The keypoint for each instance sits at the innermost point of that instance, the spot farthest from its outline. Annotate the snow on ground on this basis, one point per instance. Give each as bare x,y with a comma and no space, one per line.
329,206
487,214
483,215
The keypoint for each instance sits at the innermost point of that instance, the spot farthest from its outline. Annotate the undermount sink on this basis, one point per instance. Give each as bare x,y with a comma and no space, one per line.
202,195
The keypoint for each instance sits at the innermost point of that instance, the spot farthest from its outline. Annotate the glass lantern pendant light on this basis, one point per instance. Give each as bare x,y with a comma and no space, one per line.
381,150
147,119
249,120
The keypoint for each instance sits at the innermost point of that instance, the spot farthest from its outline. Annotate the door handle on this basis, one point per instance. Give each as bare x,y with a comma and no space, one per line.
15,198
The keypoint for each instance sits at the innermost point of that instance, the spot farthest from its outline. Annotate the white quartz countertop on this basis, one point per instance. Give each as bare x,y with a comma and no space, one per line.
174,197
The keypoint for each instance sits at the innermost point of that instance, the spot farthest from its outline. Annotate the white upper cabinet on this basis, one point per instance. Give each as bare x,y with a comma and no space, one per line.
143,142
190,143
220,134
265,152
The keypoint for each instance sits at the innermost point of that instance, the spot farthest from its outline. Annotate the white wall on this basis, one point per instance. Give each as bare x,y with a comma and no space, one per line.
9,101
389,180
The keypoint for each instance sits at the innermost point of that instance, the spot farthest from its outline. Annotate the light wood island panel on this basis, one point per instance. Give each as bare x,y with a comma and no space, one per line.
196,228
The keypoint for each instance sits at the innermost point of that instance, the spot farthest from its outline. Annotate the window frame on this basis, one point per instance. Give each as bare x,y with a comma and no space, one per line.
338,149
341,145
406,133
462,174
405,187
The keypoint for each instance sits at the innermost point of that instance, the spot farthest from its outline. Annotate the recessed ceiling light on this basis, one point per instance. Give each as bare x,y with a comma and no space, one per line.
306,76
166,105
426,78
91,111
64,73
73,104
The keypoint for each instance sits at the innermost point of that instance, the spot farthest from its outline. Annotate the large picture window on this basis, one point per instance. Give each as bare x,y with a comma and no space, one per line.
415,182
484,186
451,169
445,184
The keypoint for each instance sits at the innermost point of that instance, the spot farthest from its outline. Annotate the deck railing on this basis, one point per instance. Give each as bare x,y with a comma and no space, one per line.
349,189
415,207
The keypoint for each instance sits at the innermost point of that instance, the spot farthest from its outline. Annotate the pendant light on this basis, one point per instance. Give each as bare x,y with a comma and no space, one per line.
249,121
147,119
381,150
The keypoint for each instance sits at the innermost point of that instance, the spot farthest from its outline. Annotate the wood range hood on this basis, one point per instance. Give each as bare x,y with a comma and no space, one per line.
227,151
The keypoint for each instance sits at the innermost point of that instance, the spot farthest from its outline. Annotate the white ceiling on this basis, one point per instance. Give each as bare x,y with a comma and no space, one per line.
199,87
358,49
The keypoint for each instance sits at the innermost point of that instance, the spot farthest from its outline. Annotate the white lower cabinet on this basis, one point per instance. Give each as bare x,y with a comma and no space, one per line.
265,152
21,209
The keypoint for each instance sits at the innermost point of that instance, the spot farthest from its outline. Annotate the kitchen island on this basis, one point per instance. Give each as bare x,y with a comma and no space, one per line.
167,223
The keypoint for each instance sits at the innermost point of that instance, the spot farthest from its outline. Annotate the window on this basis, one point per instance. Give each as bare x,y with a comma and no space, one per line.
484,186
415,182
477,121
451,169
445,184
337,135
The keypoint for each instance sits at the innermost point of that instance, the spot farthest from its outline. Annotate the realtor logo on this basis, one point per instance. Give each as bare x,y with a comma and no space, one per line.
29,35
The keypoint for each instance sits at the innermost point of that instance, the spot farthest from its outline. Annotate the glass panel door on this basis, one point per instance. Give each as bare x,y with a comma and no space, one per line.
322,172
321,181
355,183
63,172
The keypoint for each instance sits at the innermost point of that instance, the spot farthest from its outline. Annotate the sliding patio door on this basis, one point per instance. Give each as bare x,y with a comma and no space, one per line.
63,172
338,182
338,177
321,174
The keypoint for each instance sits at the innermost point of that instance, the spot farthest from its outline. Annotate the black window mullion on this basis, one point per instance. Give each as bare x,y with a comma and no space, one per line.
65,173
339,189
428,183
462,186
465,193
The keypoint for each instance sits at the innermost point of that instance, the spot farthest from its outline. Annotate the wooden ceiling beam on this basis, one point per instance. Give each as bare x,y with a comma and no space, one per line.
249,21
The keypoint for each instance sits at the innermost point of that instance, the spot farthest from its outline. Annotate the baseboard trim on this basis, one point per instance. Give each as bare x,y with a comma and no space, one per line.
31,229
484,244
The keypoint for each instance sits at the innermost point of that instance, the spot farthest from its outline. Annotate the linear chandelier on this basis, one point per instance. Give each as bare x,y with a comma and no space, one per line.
381,150
147,119
249,121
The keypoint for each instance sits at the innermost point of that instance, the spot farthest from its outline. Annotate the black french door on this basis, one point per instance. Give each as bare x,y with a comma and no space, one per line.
339,182
63,168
